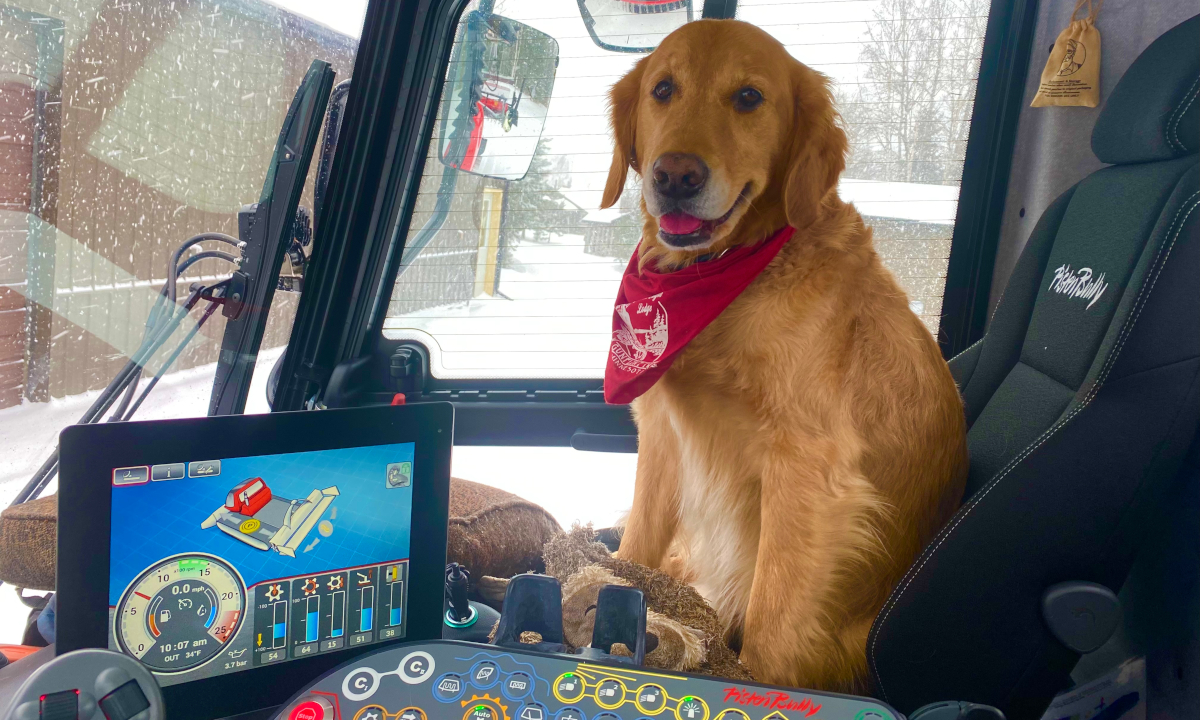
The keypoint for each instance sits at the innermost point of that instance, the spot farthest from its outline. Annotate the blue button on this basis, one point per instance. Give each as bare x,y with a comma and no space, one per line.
570,713
448,687
517,686
533,711
485,674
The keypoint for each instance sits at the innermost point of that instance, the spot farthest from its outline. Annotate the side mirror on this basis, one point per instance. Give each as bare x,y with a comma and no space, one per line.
497,96
633,25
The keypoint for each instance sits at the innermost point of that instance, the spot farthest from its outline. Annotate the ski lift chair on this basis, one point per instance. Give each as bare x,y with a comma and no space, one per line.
1083,402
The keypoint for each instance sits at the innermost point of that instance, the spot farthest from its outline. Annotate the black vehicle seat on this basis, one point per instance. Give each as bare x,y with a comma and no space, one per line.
1082,402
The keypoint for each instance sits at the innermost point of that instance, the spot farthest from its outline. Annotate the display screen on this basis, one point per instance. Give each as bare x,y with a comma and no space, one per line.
222,565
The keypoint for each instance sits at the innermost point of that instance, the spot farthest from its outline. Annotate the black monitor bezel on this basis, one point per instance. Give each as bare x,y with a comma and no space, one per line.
89,452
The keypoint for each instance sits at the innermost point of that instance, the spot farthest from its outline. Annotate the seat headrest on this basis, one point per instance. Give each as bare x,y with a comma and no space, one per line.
1153,113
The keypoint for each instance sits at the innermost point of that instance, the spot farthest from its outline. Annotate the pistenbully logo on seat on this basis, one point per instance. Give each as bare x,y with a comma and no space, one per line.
1078,284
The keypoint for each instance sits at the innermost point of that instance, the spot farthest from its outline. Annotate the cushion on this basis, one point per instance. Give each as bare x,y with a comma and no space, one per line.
491,532
28,543
1153,112
496,533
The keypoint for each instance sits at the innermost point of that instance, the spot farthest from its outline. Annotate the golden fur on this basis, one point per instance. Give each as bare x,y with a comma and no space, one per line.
807,444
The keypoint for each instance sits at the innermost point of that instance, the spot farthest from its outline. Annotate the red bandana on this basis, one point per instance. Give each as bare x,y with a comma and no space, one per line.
642,349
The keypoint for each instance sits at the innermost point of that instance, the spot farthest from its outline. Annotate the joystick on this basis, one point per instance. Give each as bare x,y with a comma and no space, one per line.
87,684
463,618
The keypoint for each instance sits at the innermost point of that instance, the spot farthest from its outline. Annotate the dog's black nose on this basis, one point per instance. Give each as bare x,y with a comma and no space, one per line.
679,175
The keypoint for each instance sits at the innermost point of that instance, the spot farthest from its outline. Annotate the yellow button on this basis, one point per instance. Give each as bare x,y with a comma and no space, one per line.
610,694
568,687
651,699
732,714
691,708
250,526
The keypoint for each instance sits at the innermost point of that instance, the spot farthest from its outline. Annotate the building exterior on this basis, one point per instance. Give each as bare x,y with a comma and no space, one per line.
125,128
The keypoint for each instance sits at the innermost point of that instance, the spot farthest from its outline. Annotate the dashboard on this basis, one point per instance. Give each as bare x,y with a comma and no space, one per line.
448,680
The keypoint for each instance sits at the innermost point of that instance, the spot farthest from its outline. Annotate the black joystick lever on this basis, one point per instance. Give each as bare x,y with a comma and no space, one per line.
532,603
457,579
620,618
465,620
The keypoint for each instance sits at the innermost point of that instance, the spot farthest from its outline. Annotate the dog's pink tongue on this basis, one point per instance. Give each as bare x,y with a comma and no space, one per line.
679,223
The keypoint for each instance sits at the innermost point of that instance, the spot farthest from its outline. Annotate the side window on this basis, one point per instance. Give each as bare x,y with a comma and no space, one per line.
515,277
905,74
126,128
518,276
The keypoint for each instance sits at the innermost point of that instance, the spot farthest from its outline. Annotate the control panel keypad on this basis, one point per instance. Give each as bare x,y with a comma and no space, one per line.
517,686
449,687
478,682
691,708
533,711
569,687
485,674
651,699
480,712
610,694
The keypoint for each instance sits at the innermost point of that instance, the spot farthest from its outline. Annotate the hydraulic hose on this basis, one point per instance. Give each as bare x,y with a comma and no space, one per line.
173,270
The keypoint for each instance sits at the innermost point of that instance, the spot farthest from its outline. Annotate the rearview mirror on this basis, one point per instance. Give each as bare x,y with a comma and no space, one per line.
498,92
633,25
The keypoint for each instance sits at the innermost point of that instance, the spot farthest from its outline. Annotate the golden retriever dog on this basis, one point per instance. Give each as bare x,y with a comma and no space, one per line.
809,442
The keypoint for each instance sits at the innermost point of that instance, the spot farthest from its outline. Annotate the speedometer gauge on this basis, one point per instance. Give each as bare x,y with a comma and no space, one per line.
179,613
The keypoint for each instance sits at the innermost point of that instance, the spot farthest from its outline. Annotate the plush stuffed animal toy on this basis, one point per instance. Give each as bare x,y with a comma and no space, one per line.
682,631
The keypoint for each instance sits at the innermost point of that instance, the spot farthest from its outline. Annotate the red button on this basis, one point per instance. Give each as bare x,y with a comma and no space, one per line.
309,710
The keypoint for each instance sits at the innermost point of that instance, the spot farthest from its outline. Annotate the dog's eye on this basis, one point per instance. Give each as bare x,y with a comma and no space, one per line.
663,90
747,99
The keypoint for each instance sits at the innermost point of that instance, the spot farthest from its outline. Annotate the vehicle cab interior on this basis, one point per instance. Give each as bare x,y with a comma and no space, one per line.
336,382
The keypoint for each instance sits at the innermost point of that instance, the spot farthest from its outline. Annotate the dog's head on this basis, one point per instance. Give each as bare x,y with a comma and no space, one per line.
732,136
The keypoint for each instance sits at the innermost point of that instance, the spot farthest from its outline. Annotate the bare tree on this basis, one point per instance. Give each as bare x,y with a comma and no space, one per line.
909,114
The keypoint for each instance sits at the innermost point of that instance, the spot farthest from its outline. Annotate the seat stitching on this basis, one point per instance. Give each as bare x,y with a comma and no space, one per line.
1126,330
1156,368
964,352
1180,111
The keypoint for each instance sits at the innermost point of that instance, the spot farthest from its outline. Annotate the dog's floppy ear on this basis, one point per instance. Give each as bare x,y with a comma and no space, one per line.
623,105
818,151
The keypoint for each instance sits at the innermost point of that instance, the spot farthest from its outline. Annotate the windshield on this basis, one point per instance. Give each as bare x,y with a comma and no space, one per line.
128,128
520,274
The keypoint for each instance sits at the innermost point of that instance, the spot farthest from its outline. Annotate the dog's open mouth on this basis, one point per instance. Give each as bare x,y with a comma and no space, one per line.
683,231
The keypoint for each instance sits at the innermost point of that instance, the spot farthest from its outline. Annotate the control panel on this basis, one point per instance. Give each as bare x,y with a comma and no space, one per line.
446,680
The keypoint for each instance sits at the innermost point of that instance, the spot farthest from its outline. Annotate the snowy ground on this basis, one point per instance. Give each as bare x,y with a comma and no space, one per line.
552,318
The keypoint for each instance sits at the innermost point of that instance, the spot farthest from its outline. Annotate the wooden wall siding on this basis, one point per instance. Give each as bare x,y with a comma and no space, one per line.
148,154
17,101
